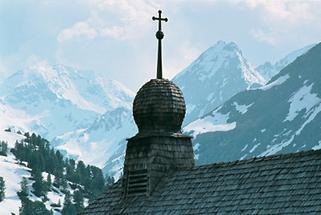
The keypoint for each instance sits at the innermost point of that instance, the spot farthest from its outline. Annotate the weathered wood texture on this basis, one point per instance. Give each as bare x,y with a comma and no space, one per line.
159,106
157,156
283,184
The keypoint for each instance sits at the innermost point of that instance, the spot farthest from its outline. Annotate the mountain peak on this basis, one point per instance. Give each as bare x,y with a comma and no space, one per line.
281,117
221,49
226,46
217,74
62,98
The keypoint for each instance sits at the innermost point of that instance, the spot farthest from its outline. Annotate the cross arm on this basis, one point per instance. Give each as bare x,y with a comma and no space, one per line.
162,19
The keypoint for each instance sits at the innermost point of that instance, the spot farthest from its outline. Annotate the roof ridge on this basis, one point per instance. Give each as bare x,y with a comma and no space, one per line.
259,159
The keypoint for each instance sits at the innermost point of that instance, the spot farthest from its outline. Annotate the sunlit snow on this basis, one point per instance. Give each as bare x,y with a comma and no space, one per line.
210,123
303,99
241,108
277,82
12,174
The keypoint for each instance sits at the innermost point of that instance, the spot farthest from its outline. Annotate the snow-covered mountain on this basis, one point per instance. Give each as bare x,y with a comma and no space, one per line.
268,70
13,118
102,141
215,76
60,99
282,116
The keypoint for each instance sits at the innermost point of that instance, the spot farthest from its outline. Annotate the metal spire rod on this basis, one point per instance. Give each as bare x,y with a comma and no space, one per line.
159,36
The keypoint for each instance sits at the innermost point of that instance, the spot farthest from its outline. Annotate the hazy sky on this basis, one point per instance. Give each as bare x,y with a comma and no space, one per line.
116,38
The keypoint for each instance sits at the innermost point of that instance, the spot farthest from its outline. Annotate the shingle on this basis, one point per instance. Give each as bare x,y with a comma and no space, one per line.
283,184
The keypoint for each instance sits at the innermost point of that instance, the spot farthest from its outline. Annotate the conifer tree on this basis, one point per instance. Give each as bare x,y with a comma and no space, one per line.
3,148
33,208
68,208
49,182
27,135
26,208
2,189
24,188
64,184
79,200
38,184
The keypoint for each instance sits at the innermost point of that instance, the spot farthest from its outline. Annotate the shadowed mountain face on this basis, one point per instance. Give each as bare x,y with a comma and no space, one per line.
215,76
282,116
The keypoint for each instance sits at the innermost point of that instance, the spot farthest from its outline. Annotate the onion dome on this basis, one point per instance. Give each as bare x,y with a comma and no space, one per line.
159,106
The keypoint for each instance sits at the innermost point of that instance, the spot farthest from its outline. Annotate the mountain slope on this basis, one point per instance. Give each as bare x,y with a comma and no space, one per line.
217,74
104,138
268,70
13,172
39,178
61,99
283,116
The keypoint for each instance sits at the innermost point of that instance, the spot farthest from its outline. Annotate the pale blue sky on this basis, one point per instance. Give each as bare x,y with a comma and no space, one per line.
116,38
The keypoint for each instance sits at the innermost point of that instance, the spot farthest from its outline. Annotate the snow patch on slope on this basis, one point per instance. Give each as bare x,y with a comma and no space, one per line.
210,123
205,125
302,99
287,141
248,72
242,108
317,147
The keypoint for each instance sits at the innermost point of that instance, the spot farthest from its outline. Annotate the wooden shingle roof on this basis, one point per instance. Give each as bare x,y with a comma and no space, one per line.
159,105
283,184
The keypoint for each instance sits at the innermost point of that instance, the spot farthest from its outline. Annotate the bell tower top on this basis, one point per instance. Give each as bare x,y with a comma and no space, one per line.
159,148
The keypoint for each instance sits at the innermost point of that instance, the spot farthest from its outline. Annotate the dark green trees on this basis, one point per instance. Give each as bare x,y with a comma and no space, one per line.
28,207
39,185
23,193
2,189
79,201
33,208
65,174
3,148
69,208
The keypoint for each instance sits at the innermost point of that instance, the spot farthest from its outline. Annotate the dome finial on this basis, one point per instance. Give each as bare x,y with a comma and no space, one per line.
159,36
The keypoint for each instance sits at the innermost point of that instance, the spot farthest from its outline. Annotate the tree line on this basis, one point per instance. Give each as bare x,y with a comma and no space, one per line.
87,181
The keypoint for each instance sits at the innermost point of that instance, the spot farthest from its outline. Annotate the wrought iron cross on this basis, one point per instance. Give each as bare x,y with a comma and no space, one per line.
159,36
